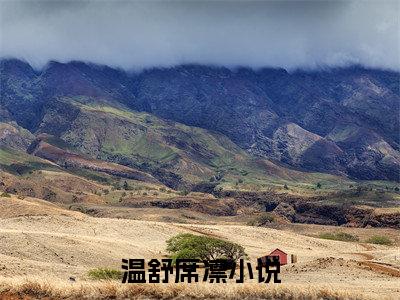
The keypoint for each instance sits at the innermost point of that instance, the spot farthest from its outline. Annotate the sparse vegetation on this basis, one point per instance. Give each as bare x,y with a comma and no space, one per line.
126,186
5,194
188,245
218,191
338,236
379,240
105,274
91,175
56,289
184,192
261,220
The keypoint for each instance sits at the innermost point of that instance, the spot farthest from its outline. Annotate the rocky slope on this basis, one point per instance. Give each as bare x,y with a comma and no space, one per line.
342,121
95,136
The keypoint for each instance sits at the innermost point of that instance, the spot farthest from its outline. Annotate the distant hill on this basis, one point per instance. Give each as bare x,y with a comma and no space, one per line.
191,122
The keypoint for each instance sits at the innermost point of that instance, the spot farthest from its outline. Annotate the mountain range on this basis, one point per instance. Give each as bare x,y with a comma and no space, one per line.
188,123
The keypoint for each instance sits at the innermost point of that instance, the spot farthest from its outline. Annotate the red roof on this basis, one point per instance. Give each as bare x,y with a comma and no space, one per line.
277,249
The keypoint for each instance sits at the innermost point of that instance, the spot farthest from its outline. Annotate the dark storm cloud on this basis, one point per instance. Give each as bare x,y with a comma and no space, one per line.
134,34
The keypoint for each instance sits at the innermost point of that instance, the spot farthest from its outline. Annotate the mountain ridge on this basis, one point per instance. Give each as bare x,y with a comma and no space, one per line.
340,121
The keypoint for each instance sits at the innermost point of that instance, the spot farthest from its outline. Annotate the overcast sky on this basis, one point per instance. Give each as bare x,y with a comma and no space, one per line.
133,34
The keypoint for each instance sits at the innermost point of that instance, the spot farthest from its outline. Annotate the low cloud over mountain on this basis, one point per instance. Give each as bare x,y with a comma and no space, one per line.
144,34
343,120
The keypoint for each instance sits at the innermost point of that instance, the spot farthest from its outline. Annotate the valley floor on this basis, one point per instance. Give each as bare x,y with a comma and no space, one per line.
54,243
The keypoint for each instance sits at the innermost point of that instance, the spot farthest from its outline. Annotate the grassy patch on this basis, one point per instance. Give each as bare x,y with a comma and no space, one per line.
27,168
338,236
19,163
149,147
92,175
380,240
105,274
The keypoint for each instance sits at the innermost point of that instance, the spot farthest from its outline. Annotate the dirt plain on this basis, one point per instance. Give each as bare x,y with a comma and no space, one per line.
41,239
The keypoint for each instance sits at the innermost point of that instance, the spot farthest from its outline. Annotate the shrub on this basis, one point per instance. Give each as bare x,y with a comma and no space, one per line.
263,219
184,192
125,186
5,194
192,246
219,176
339,236
380,240
105,274
217,192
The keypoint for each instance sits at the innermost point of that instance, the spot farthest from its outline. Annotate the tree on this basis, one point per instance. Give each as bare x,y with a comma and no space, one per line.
188,245
319,185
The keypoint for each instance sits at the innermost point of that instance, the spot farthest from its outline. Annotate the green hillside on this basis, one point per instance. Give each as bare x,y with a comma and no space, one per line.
176,154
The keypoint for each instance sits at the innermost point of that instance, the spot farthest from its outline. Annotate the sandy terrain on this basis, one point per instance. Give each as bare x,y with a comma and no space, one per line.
38,238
